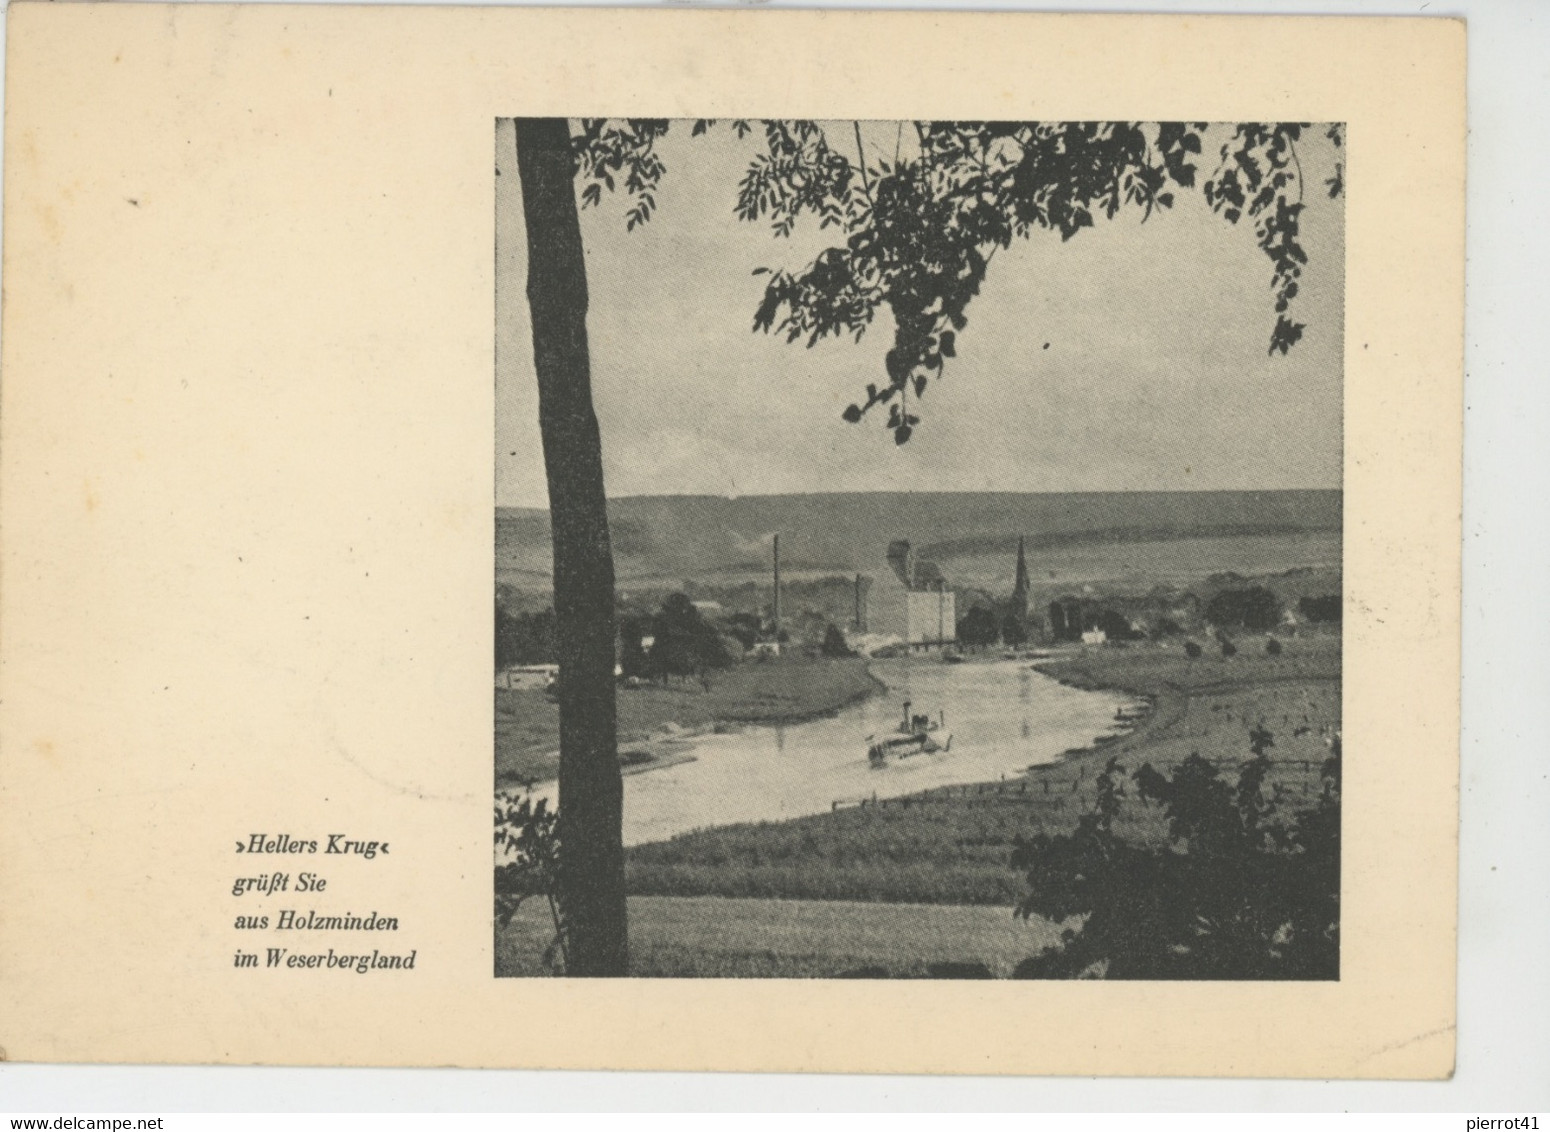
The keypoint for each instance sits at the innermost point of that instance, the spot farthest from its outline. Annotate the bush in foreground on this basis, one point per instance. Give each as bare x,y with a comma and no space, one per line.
1241,891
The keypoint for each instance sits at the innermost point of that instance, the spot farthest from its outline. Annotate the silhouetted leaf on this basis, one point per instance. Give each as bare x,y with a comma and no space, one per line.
914,234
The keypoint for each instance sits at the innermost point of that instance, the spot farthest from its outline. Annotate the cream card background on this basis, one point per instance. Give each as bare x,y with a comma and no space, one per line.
245,497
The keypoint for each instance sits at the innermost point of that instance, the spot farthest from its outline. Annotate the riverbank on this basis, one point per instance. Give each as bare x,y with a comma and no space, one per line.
1209,703
953,845
654,719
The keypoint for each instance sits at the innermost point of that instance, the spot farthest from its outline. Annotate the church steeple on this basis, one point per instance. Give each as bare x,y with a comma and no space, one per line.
1020,590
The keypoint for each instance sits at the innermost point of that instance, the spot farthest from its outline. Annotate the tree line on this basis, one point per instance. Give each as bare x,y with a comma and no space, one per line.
1254,609
677,640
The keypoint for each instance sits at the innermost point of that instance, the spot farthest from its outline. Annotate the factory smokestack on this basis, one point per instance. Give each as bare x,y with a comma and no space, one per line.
777,587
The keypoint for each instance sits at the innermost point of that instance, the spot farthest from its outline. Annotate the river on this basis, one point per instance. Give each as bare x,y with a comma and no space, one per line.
1002,716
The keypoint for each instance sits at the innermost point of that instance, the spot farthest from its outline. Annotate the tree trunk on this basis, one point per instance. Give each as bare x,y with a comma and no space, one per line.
591,789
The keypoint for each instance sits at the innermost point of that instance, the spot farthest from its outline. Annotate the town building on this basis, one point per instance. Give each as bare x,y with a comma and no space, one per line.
910,600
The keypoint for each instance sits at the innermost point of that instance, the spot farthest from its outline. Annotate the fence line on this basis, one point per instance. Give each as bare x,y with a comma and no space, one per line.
1044,786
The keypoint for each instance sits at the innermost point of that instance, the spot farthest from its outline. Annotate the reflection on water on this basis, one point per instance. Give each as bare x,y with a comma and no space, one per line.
1002,718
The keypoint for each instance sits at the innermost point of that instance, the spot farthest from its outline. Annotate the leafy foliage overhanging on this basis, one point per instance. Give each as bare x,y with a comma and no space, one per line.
921,229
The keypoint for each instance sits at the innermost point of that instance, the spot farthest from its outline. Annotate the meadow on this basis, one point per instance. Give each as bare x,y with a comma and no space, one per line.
1298,561
712,937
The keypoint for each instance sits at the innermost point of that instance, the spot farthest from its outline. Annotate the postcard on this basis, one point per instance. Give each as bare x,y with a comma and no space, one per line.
940,557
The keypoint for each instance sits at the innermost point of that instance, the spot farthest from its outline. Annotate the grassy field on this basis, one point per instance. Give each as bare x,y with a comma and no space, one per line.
1291,563
952,845
527,723
710,937
1146,669
948,847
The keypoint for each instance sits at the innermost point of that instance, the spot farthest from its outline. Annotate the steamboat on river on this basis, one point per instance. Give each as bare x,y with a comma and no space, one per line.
915,735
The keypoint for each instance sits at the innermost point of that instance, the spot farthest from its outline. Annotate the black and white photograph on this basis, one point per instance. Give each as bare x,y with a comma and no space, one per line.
954,489
918,549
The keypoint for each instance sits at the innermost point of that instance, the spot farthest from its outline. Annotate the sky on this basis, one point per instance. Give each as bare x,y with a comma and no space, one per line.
1156,376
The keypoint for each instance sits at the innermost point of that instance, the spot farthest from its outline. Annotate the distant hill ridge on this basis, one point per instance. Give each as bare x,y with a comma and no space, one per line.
696,534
